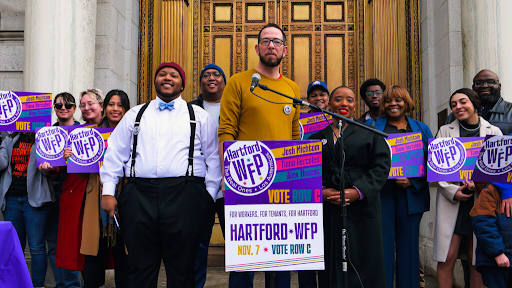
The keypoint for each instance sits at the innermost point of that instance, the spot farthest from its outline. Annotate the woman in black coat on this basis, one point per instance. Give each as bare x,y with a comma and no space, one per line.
366,169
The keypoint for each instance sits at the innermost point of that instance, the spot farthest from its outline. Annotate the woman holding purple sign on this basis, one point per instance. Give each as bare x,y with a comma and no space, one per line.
71,204
455,200
98,238
367,164
65,106
25,192
403,199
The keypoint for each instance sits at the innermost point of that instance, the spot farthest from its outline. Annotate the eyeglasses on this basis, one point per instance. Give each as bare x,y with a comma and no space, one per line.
90,104
277,42
370,93
216,75
488,83
59,106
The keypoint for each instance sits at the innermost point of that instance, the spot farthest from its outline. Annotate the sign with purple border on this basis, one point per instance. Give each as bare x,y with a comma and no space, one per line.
273,205
24,111
88,146
407,159
50,144
310,123
452,159
494,164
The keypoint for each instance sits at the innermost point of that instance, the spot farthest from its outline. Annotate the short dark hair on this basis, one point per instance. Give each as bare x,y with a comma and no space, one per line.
125,101
66,96
368,83
275,26
473,97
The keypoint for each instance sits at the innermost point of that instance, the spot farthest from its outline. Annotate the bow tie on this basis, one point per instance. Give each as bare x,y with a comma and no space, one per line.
163,106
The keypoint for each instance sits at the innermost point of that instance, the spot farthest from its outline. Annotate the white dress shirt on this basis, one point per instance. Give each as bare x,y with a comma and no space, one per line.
163,146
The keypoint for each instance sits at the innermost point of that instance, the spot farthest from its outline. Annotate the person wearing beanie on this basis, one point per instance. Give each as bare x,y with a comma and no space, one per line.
172,181
212,82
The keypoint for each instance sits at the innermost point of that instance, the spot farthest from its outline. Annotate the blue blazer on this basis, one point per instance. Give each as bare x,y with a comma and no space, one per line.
418,195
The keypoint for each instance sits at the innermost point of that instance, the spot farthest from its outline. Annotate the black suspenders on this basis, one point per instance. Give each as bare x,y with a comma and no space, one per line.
136,130
190,168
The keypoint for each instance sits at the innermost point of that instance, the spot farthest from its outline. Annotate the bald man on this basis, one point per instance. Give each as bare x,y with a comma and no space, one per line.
495,110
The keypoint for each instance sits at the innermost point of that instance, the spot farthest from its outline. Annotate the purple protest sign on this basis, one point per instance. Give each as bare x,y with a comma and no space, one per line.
310,123
24,111
88,146
273,198
407,159
50,144
452,159
494,163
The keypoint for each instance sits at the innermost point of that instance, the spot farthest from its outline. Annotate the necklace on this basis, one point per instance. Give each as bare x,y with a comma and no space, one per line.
468,129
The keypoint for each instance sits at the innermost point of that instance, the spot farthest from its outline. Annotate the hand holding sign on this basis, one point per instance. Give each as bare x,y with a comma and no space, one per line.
460,196
67,153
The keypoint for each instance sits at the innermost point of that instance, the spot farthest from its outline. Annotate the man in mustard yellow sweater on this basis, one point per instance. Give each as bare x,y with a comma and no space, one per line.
244,116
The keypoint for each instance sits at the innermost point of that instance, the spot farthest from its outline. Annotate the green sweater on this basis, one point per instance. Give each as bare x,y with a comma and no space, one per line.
244,116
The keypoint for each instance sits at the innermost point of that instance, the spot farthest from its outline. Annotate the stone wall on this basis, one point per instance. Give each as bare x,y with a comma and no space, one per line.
12,23
117,40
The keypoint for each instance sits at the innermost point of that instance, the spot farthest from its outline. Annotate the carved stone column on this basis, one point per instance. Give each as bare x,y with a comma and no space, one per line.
59,46
486,38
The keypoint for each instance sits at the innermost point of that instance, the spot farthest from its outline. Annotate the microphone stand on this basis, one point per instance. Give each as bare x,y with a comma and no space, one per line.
341,119
345,119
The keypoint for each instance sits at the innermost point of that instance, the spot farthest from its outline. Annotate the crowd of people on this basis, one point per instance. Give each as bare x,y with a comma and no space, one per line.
162,177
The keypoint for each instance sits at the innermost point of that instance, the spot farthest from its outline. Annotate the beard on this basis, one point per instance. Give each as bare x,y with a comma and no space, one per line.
168,96
492,98
271,62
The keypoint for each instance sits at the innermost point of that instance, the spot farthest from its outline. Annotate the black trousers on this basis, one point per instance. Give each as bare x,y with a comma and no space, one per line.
163,218
94,267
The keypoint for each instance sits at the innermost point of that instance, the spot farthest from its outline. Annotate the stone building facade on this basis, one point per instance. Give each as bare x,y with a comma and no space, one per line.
45,46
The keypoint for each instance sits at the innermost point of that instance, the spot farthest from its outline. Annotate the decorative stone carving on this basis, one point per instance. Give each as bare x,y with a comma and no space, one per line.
206,13
226,29
195,48
318,56
271,12
299,28
335,27
238,64
206,48
318,11
238,12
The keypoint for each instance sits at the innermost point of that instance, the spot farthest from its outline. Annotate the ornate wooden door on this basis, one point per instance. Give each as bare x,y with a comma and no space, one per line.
315,31
342,42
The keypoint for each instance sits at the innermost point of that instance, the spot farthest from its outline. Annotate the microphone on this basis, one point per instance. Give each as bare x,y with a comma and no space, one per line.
255,80
338,123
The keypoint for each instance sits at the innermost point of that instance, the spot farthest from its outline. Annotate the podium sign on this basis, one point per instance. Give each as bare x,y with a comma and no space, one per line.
273,205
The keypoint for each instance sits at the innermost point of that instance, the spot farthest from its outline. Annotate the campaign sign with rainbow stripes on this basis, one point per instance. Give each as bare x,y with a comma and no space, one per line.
88,146
452,159
273,205
310,123
24,111
407,159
